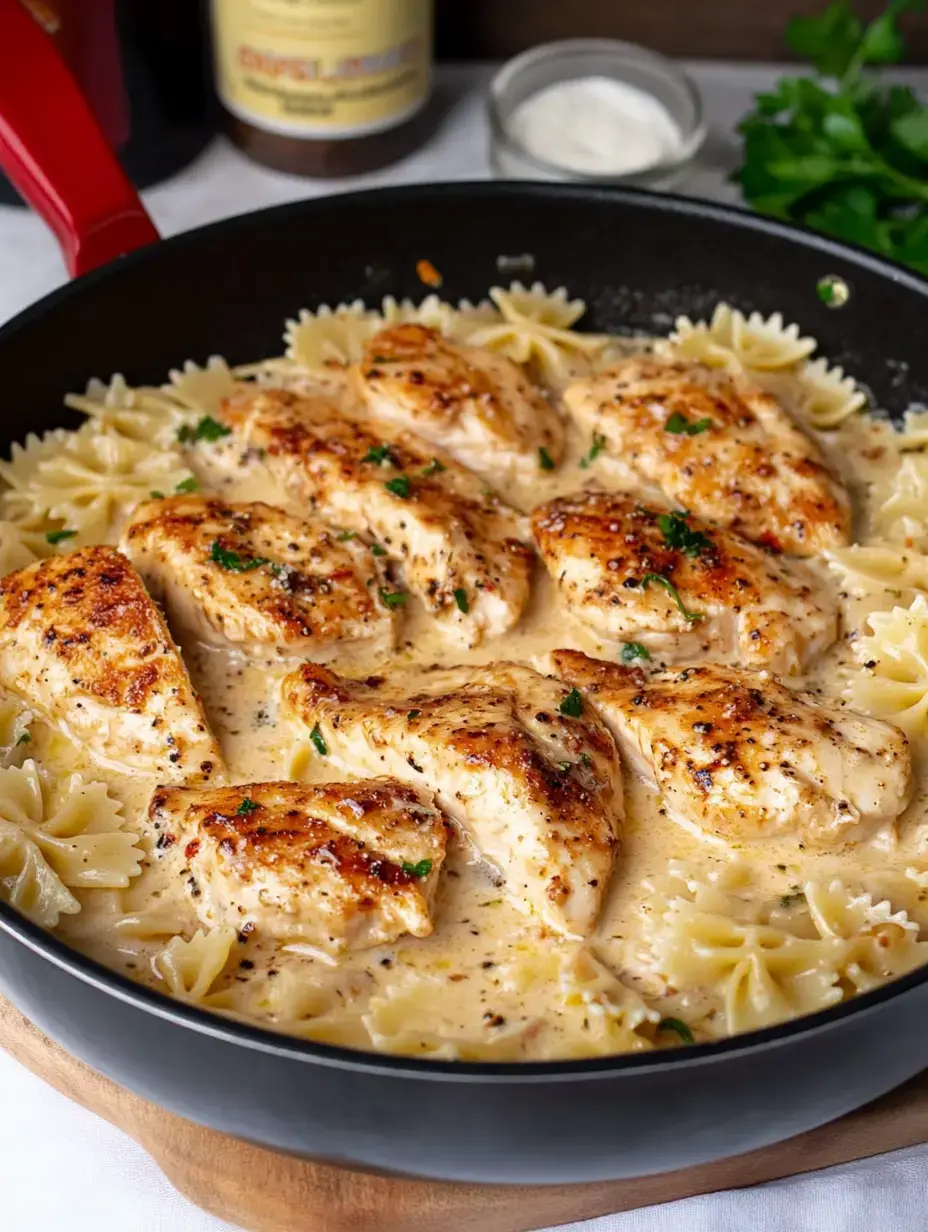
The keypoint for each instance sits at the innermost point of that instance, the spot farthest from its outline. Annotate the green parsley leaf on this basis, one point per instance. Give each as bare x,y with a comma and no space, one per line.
659,580
188,485
316,737
679,1027
678,424
208,429
572,705
398,486
460,598
678,536
632,651
393,598
58,536
545,461
345,535
791,900
380,454
564,766
227,559
413,714
24,738
434,468
598,445
156,495
832,291
247,806
377,550
842,150
422,869
585,759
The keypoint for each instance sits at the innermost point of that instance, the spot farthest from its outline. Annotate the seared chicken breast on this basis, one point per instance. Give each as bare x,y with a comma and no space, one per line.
85,644
479,406
718,446
333,865
530,776
253,576
460,547
637,573
736,756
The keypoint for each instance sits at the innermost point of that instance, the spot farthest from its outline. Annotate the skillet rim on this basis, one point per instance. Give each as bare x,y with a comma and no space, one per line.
161,1005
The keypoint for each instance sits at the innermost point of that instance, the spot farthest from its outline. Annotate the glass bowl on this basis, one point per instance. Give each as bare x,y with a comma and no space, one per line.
568,60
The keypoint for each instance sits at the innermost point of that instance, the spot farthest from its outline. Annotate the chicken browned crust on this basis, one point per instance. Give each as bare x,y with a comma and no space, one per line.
333,865
480,407
535,784
462,549
638,573
83,641
718,446
737,756
253,576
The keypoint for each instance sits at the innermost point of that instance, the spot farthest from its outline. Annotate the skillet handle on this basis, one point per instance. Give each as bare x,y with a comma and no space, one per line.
53,151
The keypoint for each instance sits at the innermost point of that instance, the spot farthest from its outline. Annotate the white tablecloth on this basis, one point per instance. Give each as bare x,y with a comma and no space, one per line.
64,1170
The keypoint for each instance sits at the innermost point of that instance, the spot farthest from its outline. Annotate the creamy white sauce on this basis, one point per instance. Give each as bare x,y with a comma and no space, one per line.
597,126
488,981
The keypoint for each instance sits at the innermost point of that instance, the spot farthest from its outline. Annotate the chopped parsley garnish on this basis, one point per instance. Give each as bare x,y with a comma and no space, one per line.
679,425
377,550
679,1027
632,651
398,486
832,291
188,485
57,536
545,461
564,766
232,561
413,714
434,468
379,454
345,536
24,738
393,598
599,444
678,536
585,759
791,900
208,429
316,737
572,705
460,598
422,869
156,495
247,806
660,580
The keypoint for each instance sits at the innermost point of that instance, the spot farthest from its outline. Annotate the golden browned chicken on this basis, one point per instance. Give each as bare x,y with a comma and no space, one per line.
718,446
253,576
479,406
460,547
531,776
333,865
84,643
670,583
736,756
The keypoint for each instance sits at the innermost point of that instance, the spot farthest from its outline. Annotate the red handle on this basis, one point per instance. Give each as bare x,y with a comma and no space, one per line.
53,150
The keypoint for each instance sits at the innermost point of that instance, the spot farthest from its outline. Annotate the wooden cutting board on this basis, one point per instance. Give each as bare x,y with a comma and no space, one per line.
262,1191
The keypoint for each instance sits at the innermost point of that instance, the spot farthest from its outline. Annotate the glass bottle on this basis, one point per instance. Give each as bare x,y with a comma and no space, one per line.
323,87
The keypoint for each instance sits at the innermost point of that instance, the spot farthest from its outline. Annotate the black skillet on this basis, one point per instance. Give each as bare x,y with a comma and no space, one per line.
637,260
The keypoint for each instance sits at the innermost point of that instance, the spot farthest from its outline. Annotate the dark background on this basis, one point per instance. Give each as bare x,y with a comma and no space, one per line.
745,29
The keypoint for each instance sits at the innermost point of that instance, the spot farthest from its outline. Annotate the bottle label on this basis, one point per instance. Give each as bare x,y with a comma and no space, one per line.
322,68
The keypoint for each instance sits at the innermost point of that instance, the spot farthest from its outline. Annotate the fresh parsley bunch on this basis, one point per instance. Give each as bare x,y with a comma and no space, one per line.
843,151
